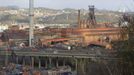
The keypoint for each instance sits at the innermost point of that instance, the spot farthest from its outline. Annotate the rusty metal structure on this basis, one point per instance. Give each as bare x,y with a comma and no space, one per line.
91,17
91,20
87,32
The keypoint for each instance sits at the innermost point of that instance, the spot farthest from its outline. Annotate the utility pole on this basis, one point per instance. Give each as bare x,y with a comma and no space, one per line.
31,24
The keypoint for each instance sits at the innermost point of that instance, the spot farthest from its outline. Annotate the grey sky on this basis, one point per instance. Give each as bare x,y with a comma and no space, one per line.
60,4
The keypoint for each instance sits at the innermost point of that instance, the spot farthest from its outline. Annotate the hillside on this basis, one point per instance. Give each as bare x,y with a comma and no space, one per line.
46,15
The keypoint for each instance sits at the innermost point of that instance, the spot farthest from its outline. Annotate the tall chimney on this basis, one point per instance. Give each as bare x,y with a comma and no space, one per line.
79,18
31,23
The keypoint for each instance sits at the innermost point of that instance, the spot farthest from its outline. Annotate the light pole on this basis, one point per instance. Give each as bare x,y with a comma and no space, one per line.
31,23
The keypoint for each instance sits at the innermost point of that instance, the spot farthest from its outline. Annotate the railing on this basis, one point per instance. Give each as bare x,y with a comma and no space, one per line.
60,53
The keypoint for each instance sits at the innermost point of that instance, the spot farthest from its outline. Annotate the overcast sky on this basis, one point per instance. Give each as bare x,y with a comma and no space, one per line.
60,4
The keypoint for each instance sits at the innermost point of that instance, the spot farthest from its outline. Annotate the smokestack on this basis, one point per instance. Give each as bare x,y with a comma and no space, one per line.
31,26
79,18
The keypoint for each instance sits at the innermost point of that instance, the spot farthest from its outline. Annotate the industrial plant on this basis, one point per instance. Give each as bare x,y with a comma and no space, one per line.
87,48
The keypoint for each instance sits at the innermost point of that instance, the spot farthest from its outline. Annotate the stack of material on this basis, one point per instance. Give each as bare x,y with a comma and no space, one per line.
26,73
44,72
36,73
26,70
57,71
65,70
11,69
2,71
15,69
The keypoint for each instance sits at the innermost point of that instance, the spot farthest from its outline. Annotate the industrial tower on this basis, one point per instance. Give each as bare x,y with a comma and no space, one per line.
31,23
